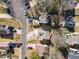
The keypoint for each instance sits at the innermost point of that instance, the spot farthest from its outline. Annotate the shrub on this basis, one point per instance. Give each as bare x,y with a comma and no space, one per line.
34,55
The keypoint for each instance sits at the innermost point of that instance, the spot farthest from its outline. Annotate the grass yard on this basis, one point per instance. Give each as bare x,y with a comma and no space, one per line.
77,17
30,28
10,22
6,40
77,29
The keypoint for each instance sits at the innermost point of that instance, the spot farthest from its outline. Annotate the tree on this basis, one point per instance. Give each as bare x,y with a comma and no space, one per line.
52,6
77,0
55,8
5,1
34,55
48,5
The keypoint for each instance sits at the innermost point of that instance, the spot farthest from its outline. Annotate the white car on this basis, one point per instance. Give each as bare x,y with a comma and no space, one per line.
73,51
73,54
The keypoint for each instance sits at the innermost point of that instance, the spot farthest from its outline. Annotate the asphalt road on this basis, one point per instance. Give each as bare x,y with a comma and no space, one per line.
18,7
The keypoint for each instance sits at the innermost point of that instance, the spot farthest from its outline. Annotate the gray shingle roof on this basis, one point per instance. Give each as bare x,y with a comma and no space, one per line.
44,34
3,30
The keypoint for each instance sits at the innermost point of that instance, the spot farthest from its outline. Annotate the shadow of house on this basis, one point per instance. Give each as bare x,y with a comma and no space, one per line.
6,32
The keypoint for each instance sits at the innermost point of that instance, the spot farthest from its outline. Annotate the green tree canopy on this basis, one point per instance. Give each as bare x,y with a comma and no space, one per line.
77,0
48,5
35,55
5,1
52,6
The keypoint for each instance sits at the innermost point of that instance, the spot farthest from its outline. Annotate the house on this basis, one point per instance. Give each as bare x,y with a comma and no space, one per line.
69,4
69,7
73,38
3,47
3,30
41,49
43,34
44,37
7,31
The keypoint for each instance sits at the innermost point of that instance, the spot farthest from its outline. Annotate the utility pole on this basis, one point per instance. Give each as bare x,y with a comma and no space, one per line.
18,7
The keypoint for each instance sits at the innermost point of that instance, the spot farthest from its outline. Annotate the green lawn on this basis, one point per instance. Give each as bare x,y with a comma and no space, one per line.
77,17
10,22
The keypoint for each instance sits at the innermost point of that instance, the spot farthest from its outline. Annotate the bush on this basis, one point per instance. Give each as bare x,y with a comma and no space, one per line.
34,55
5,1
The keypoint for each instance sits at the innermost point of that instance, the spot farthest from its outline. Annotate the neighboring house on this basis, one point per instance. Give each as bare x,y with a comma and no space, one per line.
72,38
69,7
7,32
44,37
43,34
41,49
3,30
3,47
